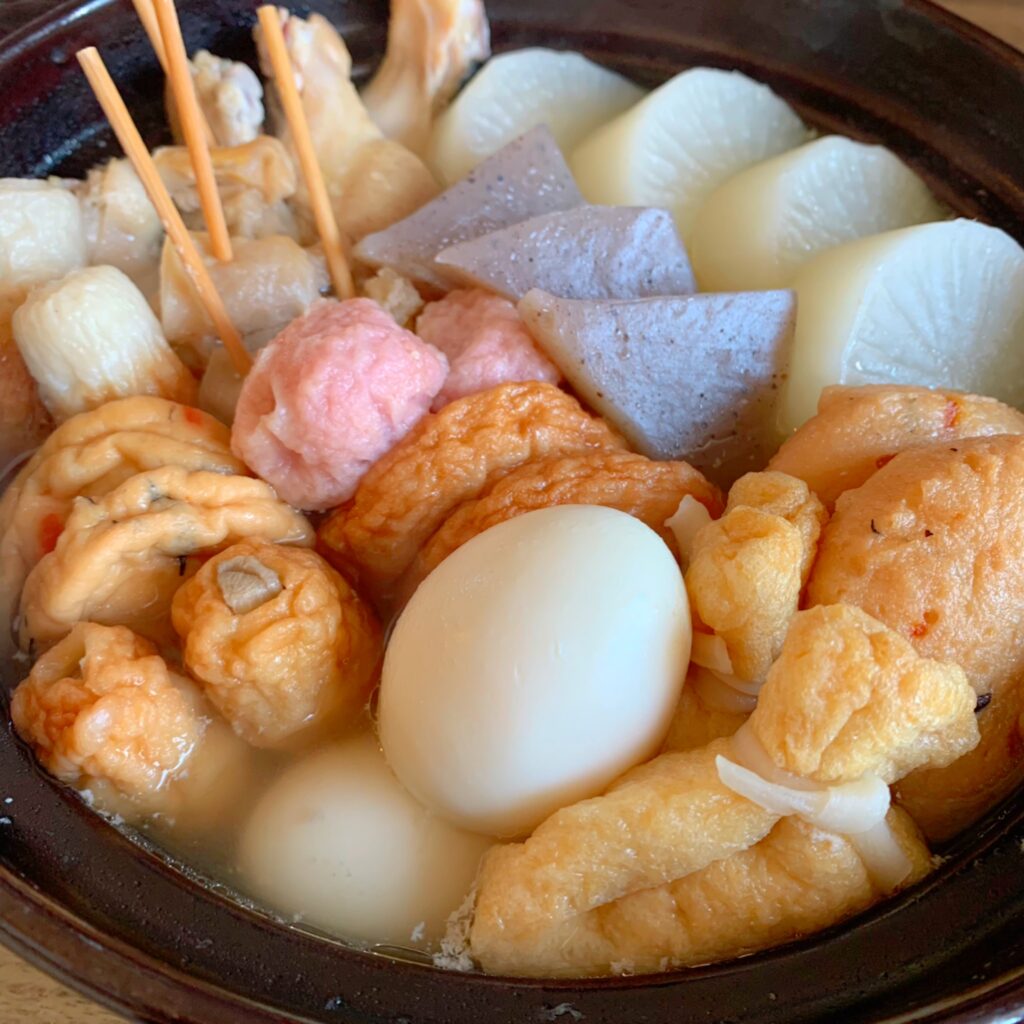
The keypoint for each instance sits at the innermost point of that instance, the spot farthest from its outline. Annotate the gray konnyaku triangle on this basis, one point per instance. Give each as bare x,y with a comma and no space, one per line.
691,377
590,252
527,177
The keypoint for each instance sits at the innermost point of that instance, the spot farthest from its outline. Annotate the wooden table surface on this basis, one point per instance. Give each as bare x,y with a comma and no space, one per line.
29,997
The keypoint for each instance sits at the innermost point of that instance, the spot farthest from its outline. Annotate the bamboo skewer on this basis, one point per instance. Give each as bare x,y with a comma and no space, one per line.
184,91
147,16
326,224
135,149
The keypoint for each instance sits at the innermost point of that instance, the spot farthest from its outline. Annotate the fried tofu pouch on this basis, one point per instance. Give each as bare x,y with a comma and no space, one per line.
797,881
89,456
858,429
696,721
121,558
846,697
748,568
102,711
650,491
933,546
280,643
450,457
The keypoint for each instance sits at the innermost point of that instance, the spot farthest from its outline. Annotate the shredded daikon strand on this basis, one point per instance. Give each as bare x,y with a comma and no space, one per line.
690,517
771,796
885,861
854,809
847,808
717,693
709,651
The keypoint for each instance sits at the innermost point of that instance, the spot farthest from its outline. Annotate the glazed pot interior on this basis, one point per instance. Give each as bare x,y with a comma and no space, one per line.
118,918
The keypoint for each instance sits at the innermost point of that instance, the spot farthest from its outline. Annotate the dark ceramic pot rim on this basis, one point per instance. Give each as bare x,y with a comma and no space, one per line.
114,920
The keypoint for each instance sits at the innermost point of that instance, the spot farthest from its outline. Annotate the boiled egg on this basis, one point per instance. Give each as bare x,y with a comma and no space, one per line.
338,843
533,666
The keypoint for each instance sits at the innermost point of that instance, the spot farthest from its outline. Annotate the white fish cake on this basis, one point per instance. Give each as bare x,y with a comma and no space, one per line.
91,337
691,378
42,235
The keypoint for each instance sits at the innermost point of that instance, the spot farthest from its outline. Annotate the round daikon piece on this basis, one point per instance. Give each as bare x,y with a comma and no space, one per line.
518,91
940,305
759,227
338,843
680,143
535,665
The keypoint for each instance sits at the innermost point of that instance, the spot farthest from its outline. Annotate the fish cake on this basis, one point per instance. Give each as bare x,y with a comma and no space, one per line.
858,429
450,457
933,545
650,491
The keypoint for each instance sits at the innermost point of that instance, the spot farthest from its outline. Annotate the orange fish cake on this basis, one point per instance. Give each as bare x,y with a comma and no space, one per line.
858,429
448,458
933,545
650,491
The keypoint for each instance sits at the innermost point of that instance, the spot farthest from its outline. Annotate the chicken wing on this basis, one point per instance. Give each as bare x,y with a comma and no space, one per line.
372,181
432,47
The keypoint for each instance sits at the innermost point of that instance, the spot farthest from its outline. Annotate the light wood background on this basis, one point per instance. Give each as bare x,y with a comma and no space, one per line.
30,997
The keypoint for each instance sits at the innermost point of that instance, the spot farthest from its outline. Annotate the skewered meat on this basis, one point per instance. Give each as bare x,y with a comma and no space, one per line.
372,181
253,180
269,283
122,228
230,96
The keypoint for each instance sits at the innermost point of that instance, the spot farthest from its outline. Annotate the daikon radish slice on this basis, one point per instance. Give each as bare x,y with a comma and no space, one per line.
940,305
709,651
674,148
757,229
690,517
517,91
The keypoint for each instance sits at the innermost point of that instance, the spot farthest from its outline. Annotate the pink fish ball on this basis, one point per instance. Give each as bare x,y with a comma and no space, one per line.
334,391
485,342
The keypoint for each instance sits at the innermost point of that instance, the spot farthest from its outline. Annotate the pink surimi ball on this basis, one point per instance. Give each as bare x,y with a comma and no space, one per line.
331,394
485,342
